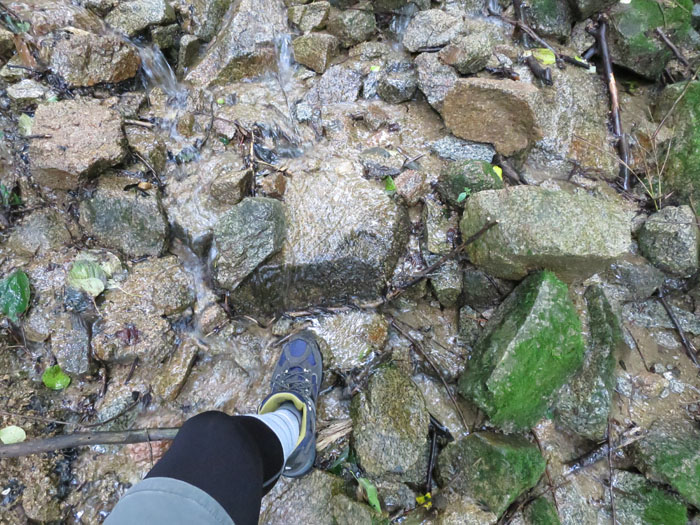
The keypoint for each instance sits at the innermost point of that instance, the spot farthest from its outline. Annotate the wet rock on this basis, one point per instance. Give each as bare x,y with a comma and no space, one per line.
510,106
390,424
528,350
274,185
131,221
85,137
174,372
201,18
468,54
651,314
638,501
509,465
7,44
550,18
468,177
395,496
584,402
315,50
42,231
397,81
308,500
352,26
469,326
26,91
462,510
335,247
247,235
583,9
435,79
438,224
446,282
244,46
481,290
350,512
380,162
147,144
530,233
634,278
132,322
338,84
631,34
70,344
309,17
429,29
669,239
452,148
348,339
84,59
670,454
134,16
411,186
165,37
187,53
541,512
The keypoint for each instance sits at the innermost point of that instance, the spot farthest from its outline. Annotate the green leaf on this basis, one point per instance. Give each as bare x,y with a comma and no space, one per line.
374,68
87,276
55,378
371,492
544,56
52,98
389,184
221,101
12,434
4,195
224,141
25,123
14,295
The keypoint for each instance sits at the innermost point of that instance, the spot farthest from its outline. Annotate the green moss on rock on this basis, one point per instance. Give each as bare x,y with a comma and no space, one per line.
468,176
541,512
638,501
528,350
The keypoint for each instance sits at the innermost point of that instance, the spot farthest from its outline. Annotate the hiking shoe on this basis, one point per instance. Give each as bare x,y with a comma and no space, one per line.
297,378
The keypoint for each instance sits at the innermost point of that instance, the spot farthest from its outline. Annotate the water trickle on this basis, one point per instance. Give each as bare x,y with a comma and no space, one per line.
157,73
285,59
400,22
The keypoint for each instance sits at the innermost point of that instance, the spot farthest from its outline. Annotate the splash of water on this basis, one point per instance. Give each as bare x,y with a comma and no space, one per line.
156,72
285,59
400,22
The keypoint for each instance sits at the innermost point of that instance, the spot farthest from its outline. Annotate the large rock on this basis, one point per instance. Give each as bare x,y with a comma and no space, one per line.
430,28
133,16
130,221
390,424
84,59
244,45
528,350
531,234
511,126
669,239
490,468
584,402
670,454
247,235
638,501
336,247
435,79
84,137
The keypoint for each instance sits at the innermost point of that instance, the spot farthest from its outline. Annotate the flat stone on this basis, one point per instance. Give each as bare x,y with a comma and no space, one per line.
380,162
530,233
510,107
530,347
134,16
468,54
634,278
27,91
85,137
174,372
669,239
315,50
435,79
430,28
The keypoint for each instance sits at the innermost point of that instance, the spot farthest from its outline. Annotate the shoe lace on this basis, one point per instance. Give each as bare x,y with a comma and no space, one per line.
295,380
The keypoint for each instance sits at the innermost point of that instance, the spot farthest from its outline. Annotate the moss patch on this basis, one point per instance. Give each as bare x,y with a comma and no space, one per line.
468,176
541,512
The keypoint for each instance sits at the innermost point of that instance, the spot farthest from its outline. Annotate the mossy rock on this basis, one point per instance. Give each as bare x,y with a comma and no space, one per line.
529,349
467,176
541,512
550,18
638,501
491,468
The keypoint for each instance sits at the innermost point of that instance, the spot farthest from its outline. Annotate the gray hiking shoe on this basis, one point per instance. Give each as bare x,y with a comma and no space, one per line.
297,378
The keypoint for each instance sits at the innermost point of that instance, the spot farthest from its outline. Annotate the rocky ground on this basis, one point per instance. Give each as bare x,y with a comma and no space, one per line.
185,184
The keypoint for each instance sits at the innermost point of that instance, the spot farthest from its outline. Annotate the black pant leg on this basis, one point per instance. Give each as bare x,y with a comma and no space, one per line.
228,457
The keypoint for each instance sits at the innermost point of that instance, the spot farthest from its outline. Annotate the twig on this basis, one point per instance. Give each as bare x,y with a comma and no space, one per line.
612,475
431,462
333,433
40,419
672,47
86,439
546,471
520,15
689,348
134,364
142,123
544,74
622,147
639,350
675,103
508,171
628,437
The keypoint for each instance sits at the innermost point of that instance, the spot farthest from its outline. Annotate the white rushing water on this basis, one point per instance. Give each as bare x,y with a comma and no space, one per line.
157,73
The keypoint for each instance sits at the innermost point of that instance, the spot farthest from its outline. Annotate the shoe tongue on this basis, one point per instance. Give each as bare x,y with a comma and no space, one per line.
296,370
297,348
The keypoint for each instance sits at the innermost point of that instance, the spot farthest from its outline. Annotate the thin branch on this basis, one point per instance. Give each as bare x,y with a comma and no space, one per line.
672,47
689,348
675,103
612,475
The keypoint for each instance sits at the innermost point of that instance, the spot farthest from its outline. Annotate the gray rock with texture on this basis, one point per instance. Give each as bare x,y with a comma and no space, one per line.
315,50
452,148
310,16
70,343
27,91
435,79
468,54
337,84
549,18
42,231
352,26
446,282
530,232
390,424
634,278
247,235
380,162
431,28
584,8
134,16
481,290
669,239
130,221
397,81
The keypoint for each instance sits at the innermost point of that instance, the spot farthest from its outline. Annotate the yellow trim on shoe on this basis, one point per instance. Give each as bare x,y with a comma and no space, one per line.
276,401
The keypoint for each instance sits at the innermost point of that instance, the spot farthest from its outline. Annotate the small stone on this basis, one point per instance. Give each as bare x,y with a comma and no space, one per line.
481,290
202,18
27,91
397,81
84,138
447,283
669,239
309,17
435,79
528,350
352,26
42,231
638,501
165,37
129,221
430,28
585,8
173,374
438,224
315,50
70,344
508,466
134,16
469,326
411,185
338,84
7,44
187,53
273,186
467,177
469,54
550,18
247,235
390,424
379,162
510,107
635,277
148,145
452,148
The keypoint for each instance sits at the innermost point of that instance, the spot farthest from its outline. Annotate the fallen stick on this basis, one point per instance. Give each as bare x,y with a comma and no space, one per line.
672,47
601,452
87,439
689,348
544,74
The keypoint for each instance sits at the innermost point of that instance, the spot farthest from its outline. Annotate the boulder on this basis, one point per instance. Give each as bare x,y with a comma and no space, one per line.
507,467
638,501
583,404
133,16
309,17
247,235
530,347
390,424
128,220
430,28
244,46
669,239
84,138
670,454
511,123
530,233
335,247
435,79
352,26
315,50
467,177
